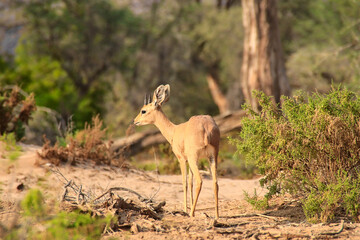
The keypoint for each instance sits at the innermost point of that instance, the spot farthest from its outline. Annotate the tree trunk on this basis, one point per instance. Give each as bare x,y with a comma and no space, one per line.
219,98
263,64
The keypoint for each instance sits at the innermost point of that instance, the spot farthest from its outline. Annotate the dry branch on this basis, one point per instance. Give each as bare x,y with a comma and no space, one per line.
137,142
249,215
141,198
103,204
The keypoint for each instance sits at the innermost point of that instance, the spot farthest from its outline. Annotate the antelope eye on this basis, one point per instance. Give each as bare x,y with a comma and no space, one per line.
143,111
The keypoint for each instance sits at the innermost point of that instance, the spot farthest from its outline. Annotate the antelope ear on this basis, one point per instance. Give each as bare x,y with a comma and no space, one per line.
161,94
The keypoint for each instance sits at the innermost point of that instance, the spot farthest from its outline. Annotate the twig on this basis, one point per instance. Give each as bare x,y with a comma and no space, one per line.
335,233
65,191
233,231
141,198
64,180
253,215
265,216
68,184
79,194
159,206
182,213
64,195
226,225
57,173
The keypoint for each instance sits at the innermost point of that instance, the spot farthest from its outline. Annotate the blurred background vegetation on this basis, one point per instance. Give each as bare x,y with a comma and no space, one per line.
87,57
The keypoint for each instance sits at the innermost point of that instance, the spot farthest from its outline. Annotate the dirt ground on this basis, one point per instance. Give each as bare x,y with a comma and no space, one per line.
238,220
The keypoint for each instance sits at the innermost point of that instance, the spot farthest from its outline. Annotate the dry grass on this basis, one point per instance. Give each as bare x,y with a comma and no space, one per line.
15,110
88,145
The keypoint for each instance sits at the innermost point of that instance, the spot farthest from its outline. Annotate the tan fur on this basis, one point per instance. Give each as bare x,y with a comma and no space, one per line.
196,138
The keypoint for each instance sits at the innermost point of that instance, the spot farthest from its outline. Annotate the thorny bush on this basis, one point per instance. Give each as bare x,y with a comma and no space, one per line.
310,148
87,145
15,111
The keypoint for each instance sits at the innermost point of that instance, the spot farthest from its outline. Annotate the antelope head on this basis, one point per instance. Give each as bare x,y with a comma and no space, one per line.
147,113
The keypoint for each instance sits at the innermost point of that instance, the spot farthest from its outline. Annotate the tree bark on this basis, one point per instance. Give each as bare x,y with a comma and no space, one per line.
263,64
219,98
137,142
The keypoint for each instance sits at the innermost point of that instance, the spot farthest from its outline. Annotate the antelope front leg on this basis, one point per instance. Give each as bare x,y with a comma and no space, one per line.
184,181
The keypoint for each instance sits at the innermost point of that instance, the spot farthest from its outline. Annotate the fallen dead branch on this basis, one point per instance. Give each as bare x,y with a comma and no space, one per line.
127,210
249,215
182,213
141,198
227,225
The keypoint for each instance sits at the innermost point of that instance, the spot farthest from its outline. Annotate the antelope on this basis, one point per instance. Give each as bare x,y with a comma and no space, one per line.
198,137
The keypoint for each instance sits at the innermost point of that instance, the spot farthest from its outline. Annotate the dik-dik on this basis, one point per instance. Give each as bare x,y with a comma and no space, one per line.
198,137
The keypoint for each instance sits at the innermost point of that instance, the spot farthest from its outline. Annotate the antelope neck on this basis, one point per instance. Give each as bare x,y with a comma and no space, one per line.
165,126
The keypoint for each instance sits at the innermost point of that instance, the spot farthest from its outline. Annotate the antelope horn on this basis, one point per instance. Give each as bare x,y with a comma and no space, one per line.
145,99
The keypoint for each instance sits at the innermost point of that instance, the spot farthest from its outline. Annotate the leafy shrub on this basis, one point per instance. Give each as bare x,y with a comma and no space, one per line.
32,204
309,147
86,145
341,195
11,150
257,202
58,225
15,111
74,225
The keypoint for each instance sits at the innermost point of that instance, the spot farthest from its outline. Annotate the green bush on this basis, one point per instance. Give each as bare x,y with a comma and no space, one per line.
310,147
74,225
341,195
257,202
40,223
32,204
11,150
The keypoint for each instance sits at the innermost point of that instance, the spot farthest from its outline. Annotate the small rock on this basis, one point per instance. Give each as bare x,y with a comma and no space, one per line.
20,187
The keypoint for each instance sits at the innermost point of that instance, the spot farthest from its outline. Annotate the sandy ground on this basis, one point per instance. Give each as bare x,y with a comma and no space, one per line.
238,220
